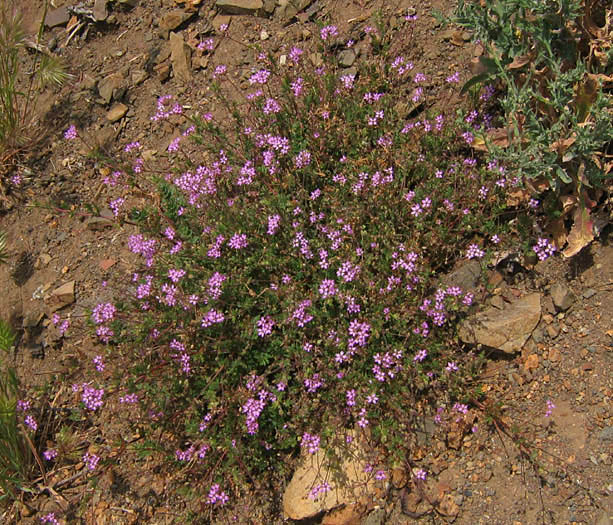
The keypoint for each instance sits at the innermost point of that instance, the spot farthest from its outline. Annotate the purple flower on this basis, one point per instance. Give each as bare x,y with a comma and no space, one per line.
451,366
474,252
91,461
70,133
31,423
261,77
103,312
550,407
238,241
271,106
99,363
212,317
91,397
265,326
273,224
543,248
348,271
328,31
421,475
310,442
327,288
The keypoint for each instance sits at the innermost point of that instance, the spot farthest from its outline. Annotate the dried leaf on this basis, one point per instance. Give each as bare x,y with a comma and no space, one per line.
557,228
517,197
568,203
581,233
561,145
520,61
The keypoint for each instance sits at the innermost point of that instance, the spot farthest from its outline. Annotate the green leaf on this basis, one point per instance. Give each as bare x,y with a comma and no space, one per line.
477,79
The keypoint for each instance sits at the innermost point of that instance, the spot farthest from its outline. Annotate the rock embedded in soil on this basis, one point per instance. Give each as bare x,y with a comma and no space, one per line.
466,277
507,329
314,469
117,112
60,297
170,21
562,297
346,57
180,58
111,87
240,7
100,12
57,17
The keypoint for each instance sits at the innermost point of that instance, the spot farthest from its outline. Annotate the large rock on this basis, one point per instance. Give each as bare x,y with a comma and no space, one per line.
508,329
240,7
348,486
181,58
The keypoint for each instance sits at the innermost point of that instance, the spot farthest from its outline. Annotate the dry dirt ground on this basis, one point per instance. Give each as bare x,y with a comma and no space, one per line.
55,238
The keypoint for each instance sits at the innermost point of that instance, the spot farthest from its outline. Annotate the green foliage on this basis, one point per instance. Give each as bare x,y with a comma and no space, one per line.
18,94
16,458
557,117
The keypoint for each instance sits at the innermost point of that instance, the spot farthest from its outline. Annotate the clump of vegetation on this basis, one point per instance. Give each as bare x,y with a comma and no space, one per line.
289,293
18,90
550,64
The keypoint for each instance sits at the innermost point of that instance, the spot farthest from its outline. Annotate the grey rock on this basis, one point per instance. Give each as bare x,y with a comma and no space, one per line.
508,329
562,297
346,57
269,6
240,7
180,58
60,297
57,17
589,293
376,517
139,76
466,277
297,505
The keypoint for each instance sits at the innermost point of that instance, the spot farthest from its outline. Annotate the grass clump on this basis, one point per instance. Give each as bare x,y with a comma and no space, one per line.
289,292
18,91
16,457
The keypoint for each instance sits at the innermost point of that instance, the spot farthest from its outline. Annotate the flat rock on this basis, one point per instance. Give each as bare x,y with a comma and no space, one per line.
109,87
117,112
507,329
60,297
240,7
562,297
57,17
180,58
466,276
346,57
347,488
170,21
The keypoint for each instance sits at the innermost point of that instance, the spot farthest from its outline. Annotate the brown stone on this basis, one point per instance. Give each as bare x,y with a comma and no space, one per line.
180,58
347,486
240,7
60,297
507,329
